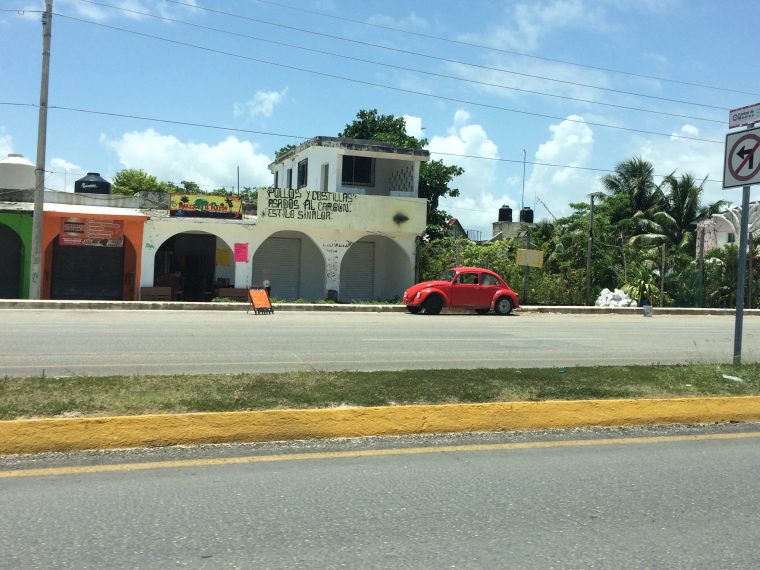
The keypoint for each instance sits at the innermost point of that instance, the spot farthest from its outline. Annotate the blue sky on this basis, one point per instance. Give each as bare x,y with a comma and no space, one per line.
273,70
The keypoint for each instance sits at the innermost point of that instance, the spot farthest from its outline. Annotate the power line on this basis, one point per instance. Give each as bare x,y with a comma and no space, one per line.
437,58
388,87
400,67
301,137
500,50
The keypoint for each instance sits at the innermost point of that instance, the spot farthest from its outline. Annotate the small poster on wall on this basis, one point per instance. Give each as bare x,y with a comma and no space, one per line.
241,253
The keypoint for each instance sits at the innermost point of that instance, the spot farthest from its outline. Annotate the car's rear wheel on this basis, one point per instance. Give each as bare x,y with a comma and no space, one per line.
414,310
482,311
433,305
503,306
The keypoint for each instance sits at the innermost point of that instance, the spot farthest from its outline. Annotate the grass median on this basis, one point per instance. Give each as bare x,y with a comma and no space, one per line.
34,397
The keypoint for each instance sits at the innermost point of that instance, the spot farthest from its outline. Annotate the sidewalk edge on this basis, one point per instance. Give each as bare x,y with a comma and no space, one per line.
69,434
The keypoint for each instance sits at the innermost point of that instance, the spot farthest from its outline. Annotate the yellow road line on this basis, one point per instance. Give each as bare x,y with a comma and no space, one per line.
78,470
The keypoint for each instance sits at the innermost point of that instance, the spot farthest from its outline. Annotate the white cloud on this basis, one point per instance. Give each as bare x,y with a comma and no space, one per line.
526,24
210,166
410,21
6,143
413,126
480,197
130,9
685,156
261,105
571,145
63,174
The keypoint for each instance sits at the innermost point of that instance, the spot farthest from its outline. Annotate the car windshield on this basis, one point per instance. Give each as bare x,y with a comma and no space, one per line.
447,275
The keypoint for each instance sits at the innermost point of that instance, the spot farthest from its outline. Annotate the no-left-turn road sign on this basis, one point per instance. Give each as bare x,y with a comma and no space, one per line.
741,166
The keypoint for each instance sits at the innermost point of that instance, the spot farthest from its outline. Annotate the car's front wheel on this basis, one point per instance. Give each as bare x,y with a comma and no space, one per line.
503,306
414,310
433,305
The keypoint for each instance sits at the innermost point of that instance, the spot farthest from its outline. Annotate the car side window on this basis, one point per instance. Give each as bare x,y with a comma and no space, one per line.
488,279
468,279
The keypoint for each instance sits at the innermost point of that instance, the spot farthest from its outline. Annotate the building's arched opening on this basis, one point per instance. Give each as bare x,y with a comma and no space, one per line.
93,273
194,265
11,263
293,265
375,268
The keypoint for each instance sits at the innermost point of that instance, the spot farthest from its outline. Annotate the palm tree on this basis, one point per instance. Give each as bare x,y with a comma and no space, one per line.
634,178
676,222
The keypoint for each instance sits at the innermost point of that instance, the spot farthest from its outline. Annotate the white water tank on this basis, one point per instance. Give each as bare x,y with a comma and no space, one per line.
16,173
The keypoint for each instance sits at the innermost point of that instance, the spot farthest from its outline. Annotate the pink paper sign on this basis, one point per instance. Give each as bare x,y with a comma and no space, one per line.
241,252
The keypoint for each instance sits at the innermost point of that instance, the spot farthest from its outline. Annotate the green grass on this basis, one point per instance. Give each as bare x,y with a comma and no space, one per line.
132,395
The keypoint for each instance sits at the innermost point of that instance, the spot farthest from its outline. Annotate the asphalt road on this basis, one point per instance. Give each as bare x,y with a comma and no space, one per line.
658,498
100,342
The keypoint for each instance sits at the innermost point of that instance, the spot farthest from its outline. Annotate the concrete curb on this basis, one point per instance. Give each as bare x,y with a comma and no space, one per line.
33,436
333,307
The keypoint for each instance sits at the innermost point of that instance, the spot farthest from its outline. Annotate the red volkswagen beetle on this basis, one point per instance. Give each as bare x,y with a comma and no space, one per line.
462,288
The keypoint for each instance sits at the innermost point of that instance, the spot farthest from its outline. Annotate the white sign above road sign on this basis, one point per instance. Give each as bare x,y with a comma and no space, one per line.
741,166
744,116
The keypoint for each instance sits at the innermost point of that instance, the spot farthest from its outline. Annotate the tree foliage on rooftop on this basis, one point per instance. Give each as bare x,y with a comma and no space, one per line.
435,176
131,181
283,150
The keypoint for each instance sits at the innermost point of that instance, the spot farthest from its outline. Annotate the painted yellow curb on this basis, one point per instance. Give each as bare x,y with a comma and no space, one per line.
31,436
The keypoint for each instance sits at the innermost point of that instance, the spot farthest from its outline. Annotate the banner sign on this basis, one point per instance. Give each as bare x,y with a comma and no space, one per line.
87,231
530,257
205,206
288,208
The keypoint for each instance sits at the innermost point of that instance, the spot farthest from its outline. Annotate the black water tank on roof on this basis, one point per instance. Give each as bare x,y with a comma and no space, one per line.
93,183
505,214
526,215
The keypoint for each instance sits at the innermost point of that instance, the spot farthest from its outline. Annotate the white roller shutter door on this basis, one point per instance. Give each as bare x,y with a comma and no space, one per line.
357,273
279,260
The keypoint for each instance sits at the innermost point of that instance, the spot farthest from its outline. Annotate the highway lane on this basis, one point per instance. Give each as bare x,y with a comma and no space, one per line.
659,498
101,342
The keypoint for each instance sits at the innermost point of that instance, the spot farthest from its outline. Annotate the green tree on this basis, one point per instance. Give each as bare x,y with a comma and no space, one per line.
131,181
675,224
634,178
283,150
435,176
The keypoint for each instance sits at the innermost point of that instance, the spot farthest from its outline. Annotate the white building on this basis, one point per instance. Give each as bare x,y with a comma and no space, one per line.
721,229
340,220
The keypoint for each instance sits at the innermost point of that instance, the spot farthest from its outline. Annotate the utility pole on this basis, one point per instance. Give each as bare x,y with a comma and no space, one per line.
35,280
662,275
526,274
701,266
588,251
625,265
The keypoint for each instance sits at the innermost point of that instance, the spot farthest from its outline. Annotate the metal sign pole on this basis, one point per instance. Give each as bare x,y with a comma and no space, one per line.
741,276
740,279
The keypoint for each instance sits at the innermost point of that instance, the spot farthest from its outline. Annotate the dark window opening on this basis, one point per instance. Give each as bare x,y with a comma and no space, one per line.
277,179
358,171
290,178
303,169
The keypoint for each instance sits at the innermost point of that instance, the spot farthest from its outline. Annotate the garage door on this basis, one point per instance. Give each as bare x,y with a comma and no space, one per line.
87,272
357,273
279,261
